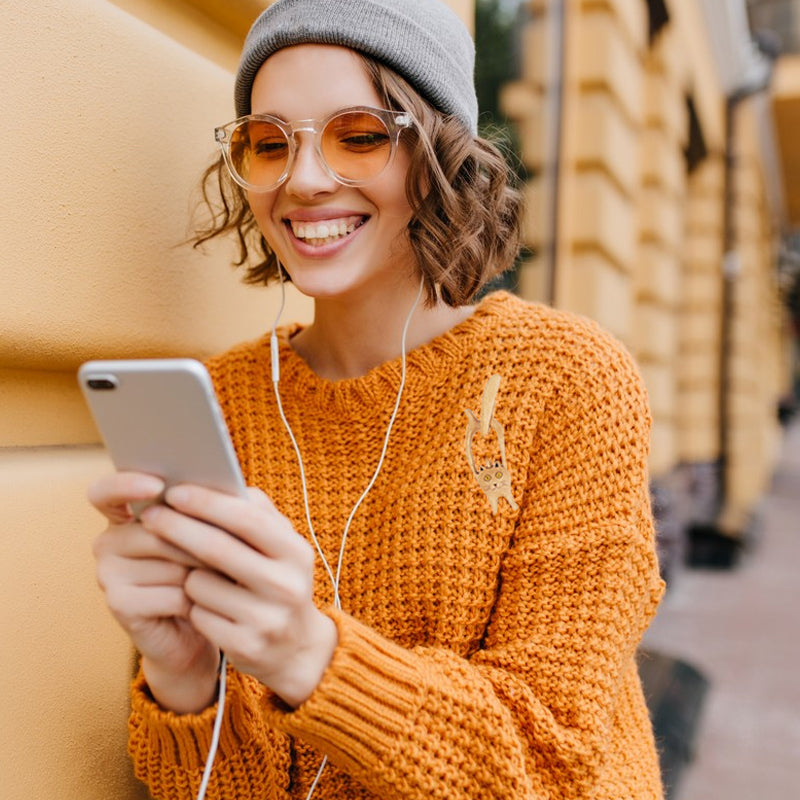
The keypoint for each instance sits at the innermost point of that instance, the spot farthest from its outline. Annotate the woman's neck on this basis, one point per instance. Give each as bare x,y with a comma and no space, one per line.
347,338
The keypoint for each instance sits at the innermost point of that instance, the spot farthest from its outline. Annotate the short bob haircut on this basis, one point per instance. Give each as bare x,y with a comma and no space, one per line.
466,210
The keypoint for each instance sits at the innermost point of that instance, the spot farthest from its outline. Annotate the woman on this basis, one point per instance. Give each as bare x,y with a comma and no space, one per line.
441,576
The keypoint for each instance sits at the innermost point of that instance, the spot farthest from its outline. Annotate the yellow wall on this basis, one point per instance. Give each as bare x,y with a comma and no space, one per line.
700,313
661,226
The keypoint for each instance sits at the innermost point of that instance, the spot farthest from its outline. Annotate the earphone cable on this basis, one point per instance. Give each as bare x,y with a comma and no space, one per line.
212,750
386,438
304,486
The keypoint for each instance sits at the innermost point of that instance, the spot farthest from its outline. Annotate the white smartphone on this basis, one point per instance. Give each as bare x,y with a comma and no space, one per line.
161,416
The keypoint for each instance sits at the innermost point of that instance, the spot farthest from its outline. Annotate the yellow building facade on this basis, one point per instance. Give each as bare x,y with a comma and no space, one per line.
663,230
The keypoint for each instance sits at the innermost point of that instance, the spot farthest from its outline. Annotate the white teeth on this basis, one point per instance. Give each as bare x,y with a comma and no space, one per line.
326,231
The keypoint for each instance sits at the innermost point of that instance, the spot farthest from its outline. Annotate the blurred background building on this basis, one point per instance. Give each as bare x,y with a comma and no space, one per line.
658,144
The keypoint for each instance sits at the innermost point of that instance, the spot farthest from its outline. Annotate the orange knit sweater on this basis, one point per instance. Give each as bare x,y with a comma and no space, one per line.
480,655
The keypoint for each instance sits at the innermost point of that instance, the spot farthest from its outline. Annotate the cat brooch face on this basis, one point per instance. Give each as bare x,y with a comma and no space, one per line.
493,477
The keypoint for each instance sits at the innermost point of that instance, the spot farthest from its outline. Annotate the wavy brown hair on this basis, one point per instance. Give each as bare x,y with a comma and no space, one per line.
466,209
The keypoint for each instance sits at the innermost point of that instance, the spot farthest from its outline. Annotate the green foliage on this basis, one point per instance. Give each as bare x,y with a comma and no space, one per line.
496,65
495,47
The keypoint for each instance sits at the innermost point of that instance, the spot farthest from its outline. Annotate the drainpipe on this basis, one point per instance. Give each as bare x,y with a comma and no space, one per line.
731,267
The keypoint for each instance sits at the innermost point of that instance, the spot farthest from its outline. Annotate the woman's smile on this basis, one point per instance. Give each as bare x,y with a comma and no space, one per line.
317,228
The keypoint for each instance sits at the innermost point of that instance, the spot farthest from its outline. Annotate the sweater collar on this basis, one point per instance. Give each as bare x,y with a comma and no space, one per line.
427,367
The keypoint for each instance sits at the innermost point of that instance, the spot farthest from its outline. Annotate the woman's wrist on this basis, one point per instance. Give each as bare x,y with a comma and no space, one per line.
185,692
299,684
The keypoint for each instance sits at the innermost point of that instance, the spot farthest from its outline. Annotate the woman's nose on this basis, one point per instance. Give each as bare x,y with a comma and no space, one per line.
308,176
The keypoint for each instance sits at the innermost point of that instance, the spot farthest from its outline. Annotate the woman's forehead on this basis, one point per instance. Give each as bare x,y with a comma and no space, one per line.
311,80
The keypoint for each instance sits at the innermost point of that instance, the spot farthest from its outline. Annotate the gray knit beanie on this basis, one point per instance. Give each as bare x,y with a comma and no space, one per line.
422,40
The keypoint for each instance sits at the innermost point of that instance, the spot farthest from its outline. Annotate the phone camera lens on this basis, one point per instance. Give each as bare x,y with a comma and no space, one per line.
102,384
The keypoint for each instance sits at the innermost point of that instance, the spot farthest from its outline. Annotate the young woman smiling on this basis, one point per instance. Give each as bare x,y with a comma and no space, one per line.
438,583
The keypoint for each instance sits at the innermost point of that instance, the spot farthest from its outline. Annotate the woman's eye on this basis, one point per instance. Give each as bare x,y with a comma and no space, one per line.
269,148
364,141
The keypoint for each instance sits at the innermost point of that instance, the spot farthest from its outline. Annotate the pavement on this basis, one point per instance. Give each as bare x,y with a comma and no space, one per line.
741,629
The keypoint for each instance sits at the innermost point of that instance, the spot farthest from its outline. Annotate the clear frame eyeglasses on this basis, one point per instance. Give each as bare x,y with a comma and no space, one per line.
354,145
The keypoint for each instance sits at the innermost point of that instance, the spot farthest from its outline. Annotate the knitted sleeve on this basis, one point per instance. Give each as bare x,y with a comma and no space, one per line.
533,712
169,750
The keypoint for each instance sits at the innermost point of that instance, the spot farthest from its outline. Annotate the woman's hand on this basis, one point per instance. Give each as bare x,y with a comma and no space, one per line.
143,578
252,596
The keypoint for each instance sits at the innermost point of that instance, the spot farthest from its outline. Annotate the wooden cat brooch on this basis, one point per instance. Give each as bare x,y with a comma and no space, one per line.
492,477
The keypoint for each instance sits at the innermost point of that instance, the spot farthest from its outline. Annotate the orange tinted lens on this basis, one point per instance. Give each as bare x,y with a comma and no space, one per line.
259,152
356,145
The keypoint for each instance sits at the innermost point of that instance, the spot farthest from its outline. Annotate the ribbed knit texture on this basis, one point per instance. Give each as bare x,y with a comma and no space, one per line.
480,655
